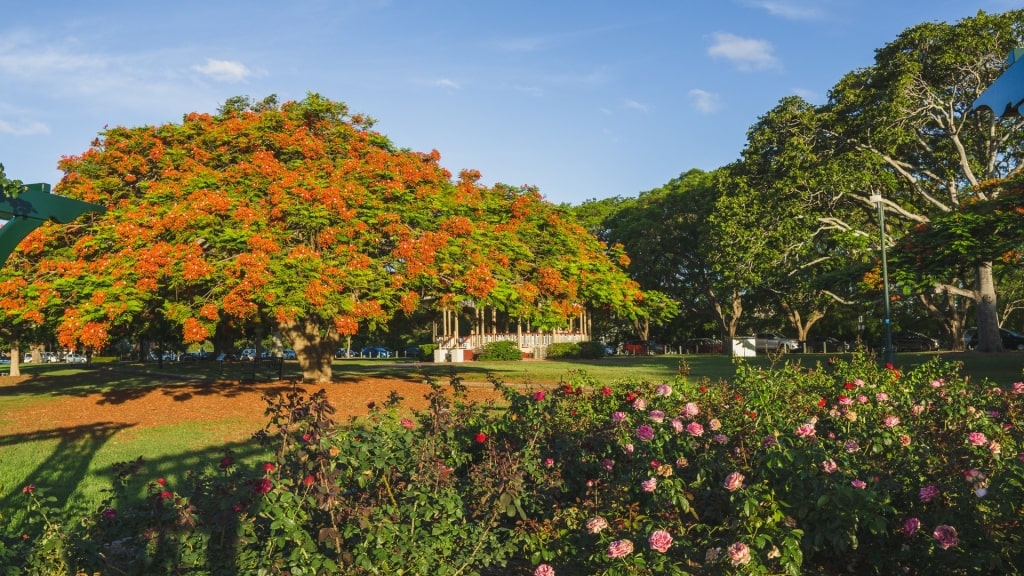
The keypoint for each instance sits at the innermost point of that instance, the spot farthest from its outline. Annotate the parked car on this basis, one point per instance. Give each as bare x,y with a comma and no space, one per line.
344,353
289,355
76,359
375,352
773,342
702,346
913,342
412,351
642,347
1011,340
827,345
247,354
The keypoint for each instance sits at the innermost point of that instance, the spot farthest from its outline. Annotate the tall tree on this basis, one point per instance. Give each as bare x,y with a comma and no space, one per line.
295,217
794,185
689,240
911,111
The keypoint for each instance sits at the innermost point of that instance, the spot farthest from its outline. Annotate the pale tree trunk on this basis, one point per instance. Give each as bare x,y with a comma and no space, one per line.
947,307
985,311
796,319
727,322
15,359
314,348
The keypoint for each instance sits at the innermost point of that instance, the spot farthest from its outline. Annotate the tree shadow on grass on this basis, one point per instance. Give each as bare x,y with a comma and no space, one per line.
68,462
59,477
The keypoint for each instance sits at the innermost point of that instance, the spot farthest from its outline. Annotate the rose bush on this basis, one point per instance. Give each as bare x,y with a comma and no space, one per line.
843,468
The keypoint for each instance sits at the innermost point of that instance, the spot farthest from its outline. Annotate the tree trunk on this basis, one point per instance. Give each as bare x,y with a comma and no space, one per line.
949,308
314,349
986,313
15,359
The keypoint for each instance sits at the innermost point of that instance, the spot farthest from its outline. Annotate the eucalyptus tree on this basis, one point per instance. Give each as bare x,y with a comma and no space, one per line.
911,113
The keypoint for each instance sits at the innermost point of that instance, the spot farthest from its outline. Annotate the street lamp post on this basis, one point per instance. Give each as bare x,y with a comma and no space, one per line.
889,356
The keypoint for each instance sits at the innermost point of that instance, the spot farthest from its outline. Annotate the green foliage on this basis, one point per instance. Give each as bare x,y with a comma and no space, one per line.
427,352
563,350
571,350
501,350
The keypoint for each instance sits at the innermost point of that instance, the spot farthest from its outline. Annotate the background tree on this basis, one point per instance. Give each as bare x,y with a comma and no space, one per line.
911,112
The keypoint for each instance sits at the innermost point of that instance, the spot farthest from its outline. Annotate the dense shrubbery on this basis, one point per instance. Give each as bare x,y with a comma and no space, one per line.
842,469
571,350
500,350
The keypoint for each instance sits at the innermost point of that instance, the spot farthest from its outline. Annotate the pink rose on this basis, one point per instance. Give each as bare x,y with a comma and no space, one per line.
805,430
544,570
829,466
645,433
596,525
694,429
660,540
620,548
734,481
929,493
649,485
911,526
946,535
739,554
977,438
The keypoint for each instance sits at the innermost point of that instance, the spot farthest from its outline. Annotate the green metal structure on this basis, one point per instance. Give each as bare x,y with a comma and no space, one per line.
30,208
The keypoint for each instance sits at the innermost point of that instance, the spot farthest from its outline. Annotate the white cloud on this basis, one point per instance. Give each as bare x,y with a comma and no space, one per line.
789,9
24,128
809,95
704,101
224,70
634,105
446,83
746,53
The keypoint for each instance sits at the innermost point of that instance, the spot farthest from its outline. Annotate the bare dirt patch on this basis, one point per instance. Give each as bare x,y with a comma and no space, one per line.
203,401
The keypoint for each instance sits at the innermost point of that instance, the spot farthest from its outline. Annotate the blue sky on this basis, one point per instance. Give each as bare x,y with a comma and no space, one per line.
583,99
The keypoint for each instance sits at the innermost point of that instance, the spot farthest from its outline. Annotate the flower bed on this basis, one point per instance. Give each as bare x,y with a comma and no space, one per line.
846,468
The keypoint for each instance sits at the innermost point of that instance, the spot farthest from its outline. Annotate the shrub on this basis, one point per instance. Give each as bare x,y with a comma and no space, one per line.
563,350
427,352
501,350
592,349
844,468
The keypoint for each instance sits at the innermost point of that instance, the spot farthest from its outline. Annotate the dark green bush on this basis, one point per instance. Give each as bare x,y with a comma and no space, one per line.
591,349
503,350
427,352
563,350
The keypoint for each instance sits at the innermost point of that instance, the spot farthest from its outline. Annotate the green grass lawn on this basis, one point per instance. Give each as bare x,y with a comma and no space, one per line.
75,465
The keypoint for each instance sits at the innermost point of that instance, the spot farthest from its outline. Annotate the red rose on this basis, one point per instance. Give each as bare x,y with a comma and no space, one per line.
166,494
161,481
606,391
268,467
308,480
262,486
822,402
226,462
480,437
28,489
539,395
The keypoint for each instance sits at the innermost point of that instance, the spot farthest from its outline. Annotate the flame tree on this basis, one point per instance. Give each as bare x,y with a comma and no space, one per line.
298,217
